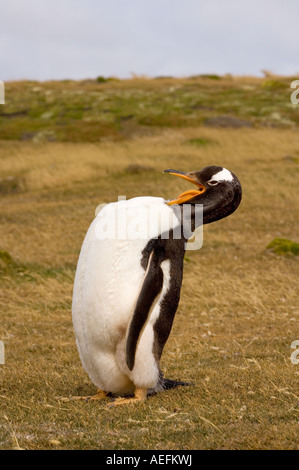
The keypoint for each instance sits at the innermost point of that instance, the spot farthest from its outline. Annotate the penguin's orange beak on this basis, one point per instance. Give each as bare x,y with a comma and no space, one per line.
187,195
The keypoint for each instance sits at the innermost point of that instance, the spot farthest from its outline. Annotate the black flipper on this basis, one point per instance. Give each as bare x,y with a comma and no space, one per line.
151,288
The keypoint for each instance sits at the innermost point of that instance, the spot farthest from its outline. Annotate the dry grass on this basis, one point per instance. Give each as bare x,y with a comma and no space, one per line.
237,317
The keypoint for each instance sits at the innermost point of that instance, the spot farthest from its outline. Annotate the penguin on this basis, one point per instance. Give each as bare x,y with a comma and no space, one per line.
128,281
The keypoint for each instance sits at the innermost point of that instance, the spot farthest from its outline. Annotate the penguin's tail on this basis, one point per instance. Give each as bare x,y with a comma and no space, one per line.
168,383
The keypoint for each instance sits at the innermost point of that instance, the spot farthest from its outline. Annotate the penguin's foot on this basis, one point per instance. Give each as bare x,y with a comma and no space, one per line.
100,395
140,396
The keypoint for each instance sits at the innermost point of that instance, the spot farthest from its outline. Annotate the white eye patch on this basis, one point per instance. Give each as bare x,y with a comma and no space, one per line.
222,175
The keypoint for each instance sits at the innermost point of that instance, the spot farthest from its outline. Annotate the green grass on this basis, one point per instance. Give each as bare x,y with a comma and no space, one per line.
200,141
281,246
32,272
93,110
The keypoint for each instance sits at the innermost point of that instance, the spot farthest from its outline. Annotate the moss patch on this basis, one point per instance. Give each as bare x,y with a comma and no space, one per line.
17,271
281,246
200,141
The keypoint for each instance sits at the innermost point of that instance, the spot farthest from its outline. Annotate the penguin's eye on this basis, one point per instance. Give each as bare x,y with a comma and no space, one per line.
213,182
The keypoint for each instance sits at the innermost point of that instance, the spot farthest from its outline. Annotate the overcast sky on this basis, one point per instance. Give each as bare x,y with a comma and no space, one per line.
59,39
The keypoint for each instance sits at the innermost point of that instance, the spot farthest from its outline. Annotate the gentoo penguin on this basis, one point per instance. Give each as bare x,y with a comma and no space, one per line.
128,281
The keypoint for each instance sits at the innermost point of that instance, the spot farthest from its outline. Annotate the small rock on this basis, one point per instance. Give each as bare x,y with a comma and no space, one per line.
288,158
136,168
27,135
226,121
54,442
47,115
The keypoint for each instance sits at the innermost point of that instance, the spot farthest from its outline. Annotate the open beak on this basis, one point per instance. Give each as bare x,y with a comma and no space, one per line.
187,195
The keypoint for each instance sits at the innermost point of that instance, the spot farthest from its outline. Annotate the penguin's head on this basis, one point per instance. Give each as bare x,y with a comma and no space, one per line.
218,190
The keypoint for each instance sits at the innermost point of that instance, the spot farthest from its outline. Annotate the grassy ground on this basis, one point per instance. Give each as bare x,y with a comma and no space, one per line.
93,111
238,313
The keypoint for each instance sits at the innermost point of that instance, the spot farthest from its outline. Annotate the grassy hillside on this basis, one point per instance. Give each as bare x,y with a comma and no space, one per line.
68,146
96,110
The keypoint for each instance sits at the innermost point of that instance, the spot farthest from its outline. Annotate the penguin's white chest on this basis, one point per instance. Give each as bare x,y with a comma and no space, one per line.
108,281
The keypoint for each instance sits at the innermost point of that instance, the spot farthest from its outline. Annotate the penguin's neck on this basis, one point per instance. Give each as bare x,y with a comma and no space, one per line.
190,216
